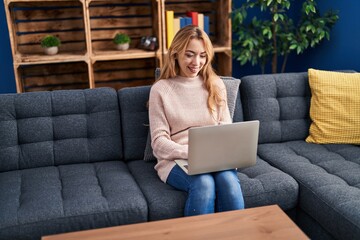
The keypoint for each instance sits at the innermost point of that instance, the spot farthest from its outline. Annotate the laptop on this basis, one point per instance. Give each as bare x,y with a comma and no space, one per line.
221,147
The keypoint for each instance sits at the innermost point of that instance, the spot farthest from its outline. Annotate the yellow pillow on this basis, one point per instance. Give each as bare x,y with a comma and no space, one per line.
335,107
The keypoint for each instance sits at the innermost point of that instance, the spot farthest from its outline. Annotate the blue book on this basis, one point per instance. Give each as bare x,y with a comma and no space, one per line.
206,25
182,22
188,21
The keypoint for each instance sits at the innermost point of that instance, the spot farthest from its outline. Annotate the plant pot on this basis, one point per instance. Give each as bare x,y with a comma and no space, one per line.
51,50
122,47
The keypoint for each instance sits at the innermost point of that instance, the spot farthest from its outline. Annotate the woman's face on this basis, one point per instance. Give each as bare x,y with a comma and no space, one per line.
192,60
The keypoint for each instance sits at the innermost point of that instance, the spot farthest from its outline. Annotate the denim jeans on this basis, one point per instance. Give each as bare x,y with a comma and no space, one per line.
208,193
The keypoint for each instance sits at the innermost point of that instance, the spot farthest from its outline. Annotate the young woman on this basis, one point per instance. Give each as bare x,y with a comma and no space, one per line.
190,94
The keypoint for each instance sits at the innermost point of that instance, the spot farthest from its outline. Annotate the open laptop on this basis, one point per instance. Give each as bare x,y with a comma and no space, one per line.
221,147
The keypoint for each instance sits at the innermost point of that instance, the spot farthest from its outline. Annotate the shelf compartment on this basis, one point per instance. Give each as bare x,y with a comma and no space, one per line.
32,20
125,73
218,12
46,77
137,18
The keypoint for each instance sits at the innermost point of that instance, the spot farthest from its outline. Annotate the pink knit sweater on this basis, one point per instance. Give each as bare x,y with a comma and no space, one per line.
175,105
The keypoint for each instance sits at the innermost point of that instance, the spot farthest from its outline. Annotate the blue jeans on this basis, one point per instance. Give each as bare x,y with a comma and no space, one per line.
207,193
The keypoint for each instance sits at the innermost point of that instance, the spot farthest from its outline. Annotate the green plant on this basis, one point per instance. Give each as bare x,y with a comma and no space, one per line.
50,41
121,38
260,41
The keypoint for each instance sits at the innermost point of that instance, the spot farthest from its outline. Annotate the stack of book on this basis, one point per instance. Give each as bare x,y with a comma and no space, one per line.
174,24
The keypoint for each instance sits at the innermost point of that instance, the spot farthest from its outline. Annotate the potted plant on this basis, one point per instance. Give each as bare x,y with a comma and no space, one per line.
51,44
122,41
274,34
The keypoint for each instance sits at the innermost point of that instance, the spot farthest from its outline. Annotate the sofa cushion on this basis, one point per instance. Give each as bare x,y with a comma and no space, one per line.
329,181
49,200
281,103
335,107
261,184
163,200
61,127
135,120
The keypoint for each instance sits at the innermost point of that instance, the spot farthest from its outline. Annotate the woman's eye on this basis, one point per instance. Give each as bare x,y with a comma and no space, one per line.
189,55
203,56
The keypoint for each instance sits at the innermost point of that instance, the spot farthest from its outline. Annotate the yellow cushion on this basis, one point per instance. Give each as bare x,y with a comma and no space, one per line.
335,107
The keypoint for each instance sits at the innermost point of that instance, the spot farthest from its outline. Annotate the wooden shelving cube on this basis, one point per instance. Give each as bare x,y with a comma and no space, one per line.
124,73
54,76
32,20
220,26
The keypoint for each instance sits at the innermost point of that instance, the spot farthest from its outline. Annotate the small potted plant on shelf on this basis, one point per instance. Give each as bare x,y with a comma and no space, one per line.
122,41
51,44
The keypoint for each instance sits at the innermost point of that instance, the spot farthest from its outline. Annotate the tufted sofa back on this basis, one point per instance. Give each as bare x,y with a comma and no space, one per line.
281,102
135,120
60,127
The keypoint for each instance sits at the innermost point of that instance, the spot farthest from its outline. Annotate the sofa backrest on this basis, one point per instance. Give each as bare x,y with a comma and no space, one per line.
135,120
281,102
40,129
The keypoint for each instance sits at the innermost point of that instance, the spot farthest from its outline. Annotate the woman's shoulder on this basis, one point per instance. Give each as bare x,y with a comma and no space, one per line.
219,82
160,84
161,87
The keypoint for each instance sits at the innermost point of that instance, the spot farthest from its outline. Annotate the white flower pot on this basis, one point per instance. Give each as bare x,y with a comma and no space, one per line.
123,46
51,50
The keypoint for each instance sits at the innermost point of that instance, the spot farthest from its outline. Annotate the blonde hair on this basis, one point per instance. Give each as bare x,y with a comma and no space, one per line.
171,67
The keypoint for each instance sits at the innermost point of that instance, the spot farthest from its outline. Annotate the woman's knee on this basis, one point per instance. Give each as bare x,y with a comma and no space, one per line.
203,184
227,180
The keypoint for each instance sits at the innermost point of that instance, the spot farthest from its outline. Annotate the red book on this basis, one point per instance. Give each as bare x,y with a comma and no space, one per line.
194,17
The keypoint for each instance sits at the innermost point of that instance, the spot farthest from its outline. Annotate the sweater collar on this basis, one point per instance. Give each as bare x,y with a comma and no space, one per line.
194,81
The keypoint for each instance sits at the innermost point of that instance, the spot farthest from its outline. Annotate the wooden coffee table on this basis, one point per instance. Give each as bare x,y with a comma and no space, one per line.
268,222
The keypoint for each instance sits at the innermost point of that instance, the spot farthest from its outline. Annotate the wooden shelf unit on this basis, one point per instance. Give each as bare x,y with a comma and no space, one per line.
87,57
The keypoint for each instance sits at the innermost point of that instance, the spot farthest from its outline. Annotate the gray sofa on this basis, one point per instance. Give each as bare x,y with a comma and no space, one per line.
73,160
328,175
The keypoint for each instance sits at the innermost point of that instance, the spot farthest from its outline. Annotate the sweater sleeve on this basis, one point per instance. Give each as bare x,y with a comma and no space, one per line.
163,146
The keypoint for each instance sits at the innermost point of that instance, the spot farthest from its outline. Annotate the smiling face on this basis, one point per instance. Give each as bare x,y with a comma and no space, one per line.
192,60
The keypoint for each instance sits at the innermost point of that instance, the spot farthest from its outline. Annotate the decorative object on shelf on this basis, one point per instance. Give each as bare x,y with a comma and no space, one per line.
148,43
261,41
51,44
122,41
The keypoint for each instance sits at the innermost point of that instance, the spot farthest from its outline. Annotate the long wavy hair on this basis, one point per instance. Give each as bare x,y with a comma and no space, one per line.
171,67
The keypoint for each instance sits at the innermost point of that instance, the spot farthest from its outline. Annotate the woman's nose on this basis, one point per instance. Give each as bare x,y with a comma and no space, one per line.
196,60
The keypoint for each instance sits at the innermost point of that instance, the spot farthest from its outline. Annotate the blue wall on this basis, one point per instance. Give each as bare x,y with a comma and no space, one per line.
341,52
7,79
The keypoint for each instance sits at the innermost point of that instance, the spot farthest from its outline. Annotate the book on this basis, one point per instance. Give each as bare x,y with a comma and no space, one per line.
194,17
201,21
176,25
188,21
169,27
182,22
207,25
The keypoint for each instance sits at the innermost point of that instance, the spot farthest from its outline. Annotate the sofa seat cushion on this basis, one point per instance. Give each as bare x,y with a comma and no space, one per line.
329,181
49,200
262,185
163,200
